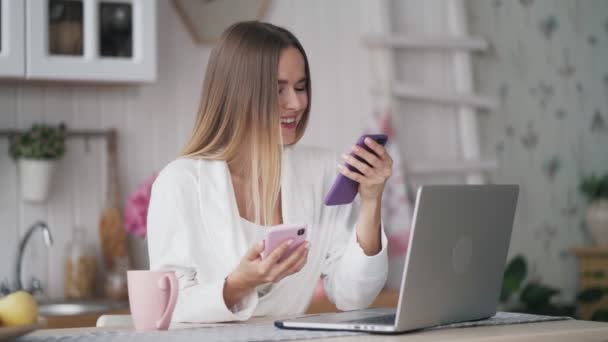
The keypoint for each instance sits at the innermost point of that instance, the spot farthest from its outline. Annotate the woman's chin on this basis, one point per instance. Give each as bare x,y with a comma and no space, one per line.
288,139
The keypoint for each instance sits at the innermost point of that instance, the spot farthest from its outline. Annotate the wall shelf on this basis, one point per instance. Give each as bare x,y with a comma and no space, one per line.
425,42
415,92
450,167
84,134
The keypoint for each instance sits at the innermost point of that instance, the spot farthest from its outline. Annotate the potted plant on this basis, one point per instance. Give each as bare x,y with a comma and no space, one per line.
520,294
37,152
595,189
523,295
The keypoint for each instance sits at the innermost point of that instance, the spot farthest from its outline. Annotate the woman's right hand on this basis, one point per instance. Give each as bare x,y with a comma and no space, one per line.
253,270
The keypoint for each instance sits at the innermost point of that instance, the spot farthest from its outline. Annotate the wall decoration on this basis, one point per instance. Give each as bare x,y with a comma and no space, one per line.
567,70
530,139
598,124
205,20
551,167
570,208
526,3
546,233
548,26
553,126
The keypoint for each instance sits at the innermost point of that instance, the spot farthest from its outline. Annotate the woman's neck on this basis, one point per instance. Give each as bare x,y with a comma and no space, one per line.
238,167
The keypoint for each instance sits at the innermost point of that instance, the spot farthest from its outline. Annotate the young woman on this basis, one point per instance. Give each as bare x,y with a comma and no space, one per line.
240,174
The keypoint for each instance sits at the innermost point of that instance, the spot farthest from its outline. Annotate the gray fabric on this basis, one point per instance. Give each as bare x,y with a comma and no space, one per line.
258,332
502,318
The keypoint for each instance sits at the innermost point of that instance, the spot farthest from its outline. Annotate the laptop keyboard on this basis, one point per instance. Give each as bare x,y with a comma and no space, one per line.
386,319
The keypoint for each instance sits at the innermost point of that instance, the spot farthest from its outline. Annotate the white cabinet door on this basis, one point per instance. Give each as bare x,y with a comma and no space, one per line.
12,38
91,40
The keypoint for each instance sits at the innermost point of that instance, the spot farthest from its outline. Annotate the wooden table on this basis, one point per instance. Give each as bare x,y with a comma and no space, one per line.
556,331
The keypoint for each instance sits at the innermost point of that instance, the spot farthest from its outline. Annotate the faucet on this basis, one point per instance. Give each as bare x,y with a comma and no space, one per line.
35,286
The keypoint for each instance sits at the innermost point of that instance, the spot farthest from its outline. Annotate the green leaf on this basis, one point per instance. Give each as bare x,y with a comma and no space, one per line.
600,315
594,187
39,142
536,295
590,295
515,273
549,309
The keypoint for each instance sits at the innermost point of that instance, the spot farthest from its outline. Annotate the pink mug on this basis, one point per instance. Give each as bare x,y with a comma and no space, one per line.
152,298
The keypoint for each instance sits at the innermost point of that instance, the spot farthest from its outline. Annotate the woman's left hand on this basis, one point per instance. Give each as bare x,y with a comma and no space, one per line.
373,177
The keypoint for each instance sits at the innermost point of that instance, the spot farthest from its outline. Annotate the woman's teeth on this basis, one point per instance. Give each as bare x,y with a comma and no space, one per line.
288,121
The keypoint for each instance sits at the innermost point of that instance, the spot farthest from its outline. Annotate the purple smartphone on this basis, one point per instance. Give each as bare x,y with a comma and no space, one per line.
345,189
277,234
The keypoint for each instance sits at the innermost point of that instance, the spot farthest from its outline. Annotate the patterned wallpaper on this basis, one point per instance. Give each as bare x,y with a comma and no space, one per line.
548,65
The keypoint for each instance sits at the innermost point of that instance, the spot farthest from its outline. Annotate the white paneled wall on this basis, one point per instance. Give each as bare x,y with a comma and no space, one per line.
153,122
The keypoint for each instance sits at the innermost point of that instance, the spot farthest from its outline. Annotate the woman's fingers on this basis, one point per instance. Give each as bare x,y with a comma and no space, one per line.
377,148
374,167
276,254
288,262
369,157
364,168
351,174
300,262
294,262
254,252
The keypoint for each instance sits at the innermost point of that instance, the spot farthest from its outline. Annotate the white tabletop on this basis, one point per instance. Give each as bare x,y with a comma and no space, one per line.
569,330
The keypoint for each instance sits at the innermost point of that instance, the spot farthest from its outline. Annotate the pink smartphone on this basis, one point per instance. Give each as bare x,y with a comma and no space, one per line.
280,233
344,190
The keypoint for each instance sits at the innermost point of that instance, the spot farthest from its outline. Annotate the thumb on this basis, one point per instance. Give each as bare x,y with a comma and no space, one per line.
255,251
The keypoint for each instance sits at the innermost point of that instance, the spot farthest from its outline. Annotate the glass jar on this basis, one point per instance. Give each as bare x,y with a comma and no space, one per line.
80,267
115,286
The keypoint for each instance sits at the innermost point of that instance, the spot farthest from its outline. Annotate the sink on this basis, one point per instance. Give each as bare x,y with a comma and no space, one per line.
82,307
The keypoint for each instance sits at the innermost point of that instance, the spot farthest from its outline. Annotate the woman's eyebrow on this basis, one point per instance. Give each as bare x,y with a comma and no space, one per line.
300,81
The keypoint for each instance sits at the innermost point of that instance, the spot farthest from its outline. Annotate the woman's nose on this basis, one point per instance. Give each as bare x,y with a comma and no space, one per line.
290,100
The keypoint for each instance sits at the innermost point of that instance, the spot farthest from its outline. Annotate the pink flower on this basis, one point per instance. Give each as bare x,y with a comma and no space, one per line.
398,243
136,210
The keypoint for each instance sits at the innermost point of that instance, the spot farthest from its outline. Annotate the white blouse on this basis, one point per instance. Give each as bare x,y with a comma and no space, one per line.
195,229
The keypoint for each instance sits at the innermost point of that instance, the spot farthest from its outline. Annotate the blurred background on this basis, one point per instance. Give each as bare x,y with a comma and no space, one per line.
471,91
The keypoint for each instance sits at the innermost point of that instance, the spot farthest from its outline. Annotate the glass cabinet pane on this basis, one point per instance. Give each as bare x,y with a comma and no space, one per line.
65,27
116,29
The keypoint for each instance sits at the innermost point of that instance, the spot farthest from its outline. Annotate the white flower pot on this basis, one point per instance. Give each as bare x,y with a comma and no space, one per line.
36,178
597,221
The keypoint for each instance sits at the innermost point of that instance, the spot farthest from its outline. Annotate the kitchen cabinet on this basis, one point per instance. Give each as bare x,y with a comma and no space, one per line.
386,299
79,321
79,40
12,38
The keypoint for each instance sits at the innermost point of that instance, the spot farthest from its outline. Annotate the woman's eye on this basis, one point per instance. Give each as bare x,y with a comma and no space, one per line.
301,89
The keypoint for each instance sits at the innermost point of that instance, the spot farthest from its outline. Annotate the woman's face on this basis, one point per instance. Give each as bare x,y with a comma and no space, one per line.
293,96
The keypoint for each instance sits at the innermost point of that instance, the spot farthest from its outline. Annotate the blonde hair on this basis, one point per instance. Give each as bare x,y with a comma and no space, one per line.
239,108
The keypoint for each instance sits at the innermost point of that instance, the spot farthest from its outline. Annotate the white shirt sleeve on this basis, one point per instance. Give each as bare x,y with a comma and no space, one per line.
173,217
351,279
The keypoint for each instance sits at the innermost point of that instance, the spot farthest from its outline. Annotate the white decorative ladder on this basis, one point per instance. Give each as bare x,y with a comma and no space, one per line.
455,42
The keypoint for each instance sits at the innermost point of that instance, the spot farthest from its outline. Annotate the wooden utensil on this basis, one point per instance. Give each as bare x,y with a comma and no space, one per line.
113,237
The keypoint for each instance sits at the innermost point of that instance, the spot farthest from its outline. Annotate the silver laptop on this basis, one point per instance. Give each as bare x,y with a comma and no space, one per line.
454,266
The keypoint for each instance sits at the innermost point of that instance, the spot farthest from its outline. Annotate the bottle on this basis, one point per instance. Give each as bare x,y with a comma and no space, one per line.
80,267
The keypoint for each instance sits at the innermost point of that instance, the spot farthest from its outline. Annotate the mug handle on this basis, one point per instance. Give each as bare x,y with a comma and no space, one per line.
164,319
